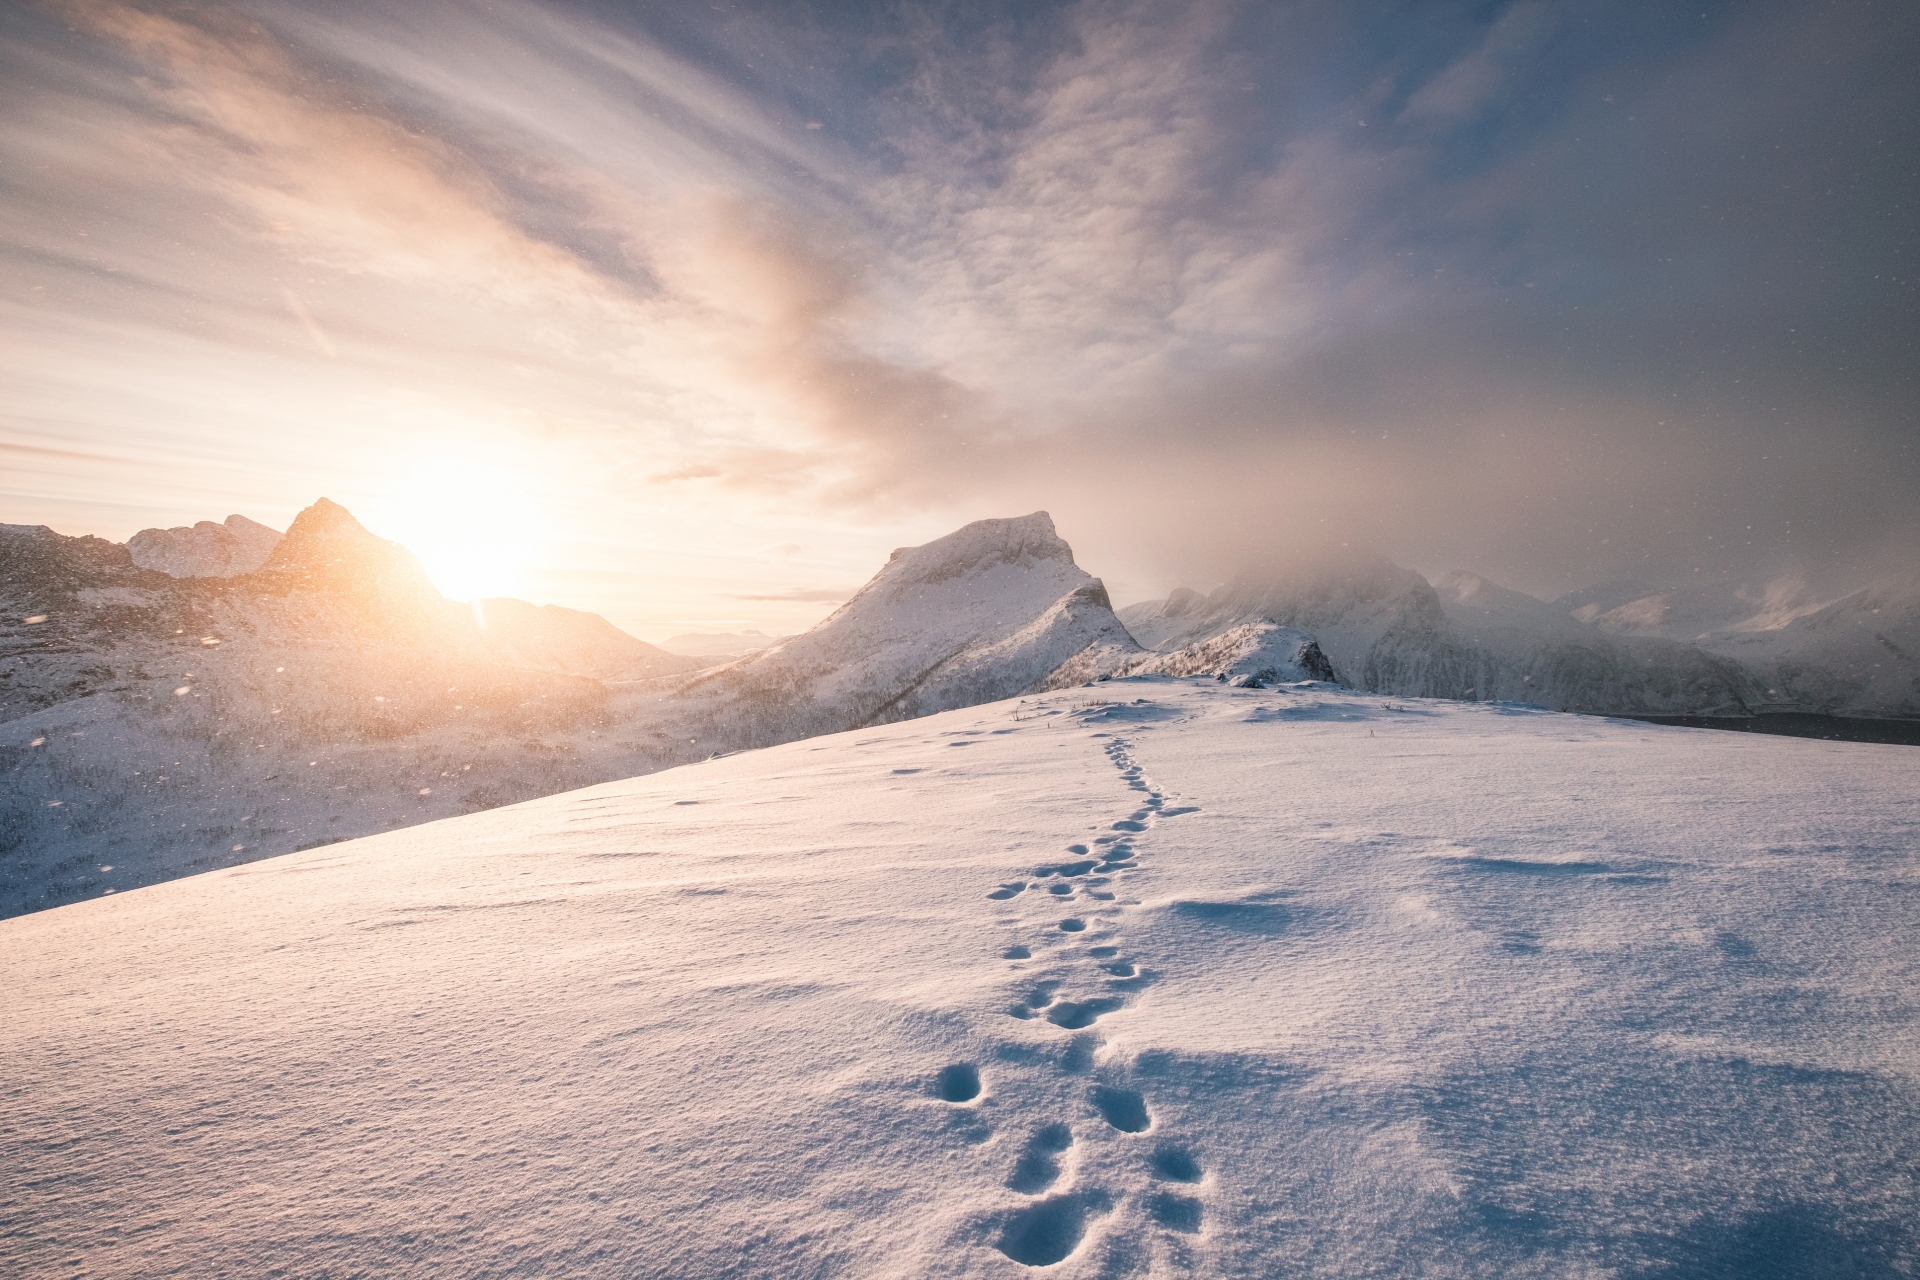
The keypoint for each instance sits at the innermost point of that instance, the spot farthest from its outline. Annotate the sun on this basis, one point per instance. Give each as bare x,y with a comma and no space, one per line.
476,523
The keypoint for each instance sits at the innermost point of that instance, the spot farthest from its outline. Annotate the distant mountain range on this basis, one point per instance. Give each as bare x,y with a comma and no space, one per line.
1621,648
206,696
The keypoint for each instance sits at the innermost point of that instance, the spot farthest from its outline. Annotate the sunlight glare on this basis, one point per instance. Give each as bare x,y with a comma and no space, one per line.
476,524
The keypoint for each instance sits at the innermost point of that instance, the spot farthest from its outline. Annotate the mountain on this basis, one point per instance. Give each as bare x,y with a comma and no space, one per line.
1855,656
550,638
995,609
207,550
1447,989
151,726
1858,656
1386,629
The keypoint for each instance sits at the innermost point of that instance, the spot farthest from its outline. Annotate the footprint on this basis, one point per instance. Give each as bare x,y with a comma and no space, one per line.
1103,953
1129,824
1037,1169
1077,1014
1073,924
1058,890
1076,848
1124,1109
1177,1213
957,1083
1039,998
1045,1233
1176,1164
1065,869
1120,970
1007,890
1016,952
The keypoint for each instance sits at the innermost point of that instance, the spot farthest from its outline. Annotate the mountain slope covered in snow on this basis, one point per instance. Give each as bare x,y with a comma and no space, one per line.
992,610
157,726
1388,630
1160,978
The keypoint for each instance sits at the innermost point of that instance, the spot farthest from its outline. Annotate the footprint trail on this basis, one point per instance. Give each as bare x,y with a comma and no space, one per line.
1057,903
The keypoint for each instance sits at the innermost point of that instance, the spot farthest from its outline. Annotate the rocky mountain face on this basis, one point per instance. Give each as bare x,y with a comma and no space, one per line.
206,550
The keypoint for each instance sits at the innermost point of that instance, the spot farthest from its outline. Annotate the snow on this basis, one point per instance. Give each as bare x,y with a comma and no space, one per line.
995,609
1362,989
1247,656
1733,648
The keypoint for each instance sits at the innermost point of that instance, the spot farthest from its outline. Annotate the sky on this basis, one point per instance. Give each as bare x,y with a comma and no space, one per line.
689,314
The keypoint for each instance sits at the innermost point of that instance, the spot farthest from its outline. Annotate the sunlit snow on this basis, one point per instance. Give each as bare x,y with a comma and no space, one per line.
1151,978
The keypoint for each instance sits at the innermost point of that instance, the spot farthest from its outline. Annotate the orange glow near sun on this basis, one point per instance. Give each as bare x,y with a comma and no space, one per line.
475,523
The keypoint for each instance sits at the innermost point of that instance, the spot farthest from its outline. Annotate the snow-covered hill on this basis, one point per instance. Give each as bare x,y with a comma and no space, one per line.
206,550
1160,978
1252,655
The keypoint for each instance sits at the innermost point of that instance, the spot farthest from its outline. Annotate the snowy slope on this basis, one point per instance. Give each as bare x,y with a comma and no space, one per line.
1387,629
1191,980
206,550
994,609
1857,656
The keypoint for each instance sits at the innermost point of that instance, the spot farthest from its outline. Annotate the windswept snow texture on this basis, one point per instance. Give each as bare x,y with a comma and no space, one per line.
1445,989
994,609
207,550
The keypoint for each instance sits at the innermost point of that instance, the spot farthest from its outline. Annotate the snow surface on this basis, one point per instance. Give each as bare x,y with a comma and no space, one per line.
1363,989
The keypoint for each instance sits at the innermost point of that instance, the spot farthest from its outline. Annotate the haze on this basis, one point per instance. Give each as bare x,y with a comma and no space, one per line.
687,315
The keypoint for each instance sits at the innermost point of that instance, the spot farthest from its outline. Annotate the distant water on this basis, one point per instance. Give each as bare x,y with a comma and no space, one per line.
1797,724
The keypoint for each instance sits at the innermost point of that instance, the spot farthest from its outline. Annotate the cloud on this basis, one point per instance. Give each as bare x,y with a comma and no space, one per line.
1196,278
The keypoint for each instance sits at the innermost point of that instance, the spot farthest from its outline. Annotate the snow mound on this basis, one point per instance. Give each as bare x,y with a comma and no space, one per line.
1251,655
206,550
